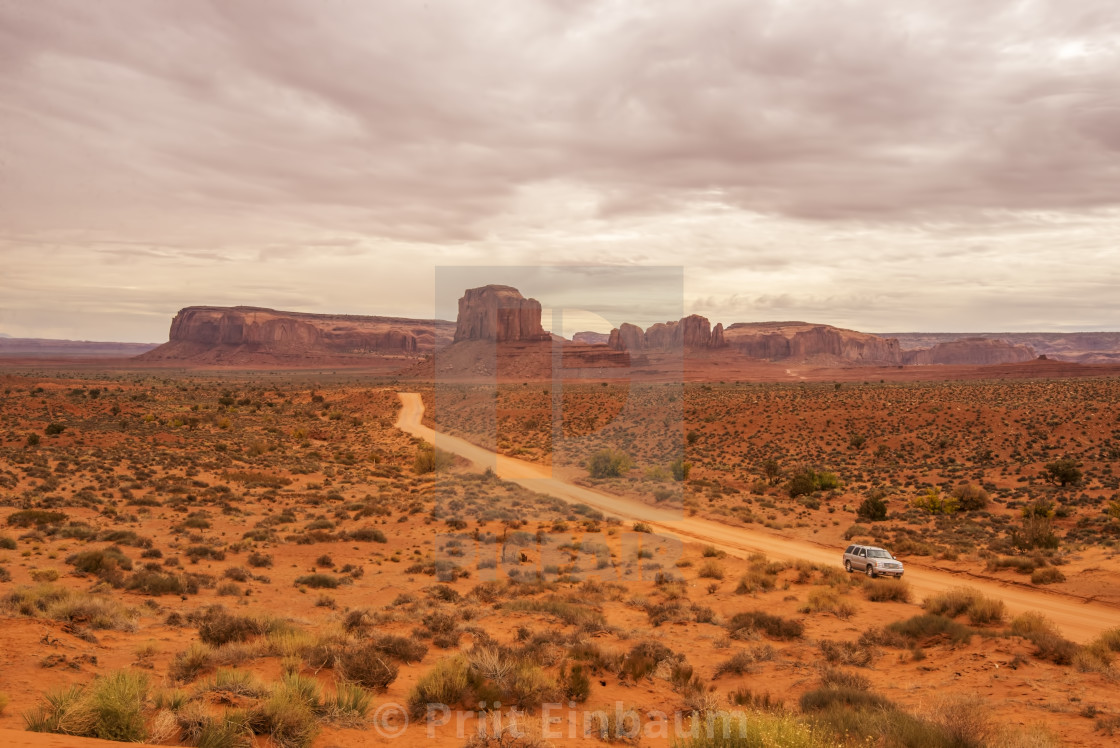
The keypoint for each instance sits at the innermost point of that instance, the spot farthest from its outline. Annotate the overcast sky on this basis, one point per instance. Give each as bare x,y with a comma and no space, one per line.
885,166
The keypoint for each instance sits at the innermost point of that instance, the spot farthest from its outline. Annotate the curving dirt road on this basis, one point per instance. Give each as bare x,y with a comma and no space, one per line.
1080,620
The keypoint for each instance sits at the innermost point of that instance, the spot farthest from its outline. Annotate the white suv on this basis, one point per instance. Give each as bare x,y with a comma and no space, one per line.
872,561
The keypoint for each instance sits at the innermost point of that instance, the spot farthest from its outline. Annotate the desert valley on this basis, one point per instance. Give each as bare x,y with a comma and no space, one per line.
283,529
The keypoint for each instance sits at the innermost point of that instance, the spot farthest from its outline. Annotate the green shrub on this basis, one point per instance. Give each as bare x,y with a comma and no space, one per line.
608,463
6,543
447,684
872,509
53,429
807,481
288,715
349,705
577,686
109,708
191,663
849,698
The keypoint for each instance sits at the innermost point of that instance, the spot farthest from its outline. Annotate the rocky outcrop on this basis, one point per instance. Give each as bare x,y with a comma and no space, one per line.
498,314
776,341
690,333
970,352
1082,347
587,337
229,334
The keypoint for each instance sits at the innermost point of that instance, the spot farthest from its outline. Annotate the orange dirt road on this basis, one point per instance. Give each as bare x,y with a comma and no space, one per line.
1079,619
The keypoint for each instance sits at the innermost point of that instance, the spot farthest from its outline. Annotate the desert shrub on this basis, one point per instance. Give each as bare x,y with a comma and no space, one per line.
608,463
680,469
430,459
105,562
618,725
577,686
319,581
970,497
37,517
400,648
934,502
829,601
1048,575
289,715
710,570
349,705
109,708
446,684
217,626
7,544
965,600
642,660
744,661
828,697
929,626
366,665
846,653
872,509
367,535
94,611
54,428
569,612
887,590
157,583
771,625
807,481
259,560
1048,640
1063,472
198,552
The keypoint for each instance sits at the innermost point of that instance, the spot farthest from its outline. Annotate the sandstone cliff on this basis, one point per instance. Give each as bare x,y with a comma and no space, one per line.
499,314
690,333
775,341
1081,347
234,335
970,351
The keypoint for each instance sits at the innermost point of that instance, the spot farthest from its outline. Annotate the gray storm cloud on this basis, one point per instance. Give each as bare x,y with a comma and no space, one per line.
881,165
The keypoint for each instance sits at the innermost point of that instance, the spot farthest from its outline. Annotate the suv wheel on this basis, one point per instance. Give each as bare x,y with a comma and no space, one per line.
870,571
848,566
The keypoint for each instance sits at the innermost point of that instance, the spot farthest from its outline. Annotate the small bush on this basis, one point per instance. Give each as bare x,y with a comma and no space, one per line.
37,517
1047,575
710,570
929,626
366,665
608,463
7,544
887,590
216,626
446,684
970,497
773,626
259,560
952,603
319,581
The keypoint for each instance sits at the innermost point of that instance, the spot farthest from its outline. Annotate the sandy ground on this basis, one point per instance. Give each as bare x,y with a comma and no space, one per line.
1079,619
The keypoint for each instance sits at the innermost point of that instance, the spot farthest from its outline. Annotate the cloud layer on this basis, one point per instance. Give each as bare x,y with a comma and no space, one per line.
923,165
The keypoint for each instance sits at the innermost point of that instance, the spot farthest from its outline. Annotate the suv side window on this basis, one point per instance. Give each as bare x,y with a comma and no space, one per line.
850,549
863,553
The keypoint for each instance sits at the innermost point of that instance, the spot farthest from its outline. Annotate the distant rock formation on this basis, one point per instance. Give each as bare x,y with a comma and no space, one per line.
1080,347
588,337
689,333
252,334
45,348
970,352
776,341
499,314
